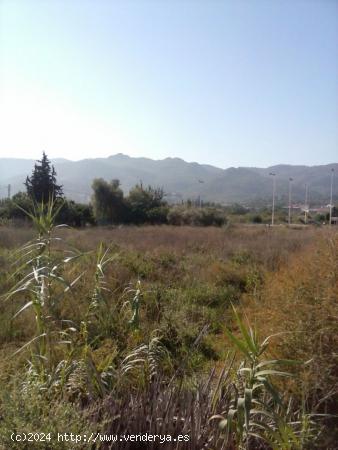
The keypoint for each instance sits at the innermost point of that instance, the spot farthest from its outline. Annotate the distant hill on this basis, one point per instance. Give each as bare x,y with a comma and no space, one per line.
180,179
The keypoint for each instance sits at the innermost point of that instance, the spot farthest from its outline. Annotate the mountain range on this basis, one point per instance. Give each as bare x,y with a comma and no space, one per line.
179,179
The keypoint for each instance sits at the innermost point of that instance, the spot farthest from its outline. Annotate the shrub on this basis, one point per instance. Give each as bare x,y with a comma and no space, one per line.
181,215
70,213
146,205
257,219
30,411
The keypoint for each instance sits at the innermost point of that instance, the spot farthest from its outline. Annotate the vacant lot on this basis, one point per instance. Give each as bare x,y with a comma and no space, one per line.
117,289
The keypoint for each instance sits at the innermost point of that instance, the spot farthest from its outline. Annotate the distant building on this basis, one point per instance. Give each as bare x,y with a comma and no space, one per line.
321,210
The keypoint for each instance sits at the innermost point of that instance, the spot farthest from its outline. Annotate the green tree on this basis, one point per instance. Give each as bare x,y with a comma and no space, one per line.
75,214
108,202
15,207
41,185
147,205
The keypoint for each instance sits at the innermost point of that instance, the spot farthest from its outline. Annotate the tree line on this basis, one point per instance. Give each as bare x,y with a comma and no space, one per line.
109,205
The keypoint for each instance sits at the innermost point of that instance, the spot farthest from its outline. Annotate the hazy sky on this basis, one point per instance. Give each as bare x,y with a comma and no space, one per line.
230,83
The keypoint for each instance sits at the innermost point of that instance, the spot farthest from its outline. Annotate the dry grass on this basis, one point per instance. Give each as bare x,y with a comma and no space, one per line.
300,301
221,242
13,237
166,237
198,267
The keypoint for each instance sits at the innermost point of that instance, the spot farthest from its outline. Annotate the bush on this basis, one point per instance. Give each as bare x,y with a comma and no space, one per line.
146,205
29,411
75,214
181,215
13,208
71,213
157,215
257,219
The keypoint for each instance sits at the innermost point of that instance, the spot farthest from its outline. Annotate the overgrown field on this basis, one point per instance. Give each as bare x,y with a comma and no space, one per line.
162,329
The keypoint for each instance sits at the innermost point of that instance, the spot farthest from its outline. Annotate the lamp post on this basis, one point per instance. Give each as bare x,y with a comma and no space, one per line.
273,197
199,197
290,189
331,194
306,206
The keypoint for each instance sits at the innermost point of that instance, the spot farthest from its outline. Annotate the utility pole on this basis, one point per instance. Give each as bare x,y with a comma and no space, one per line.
290,189
9,191
273,197
331,205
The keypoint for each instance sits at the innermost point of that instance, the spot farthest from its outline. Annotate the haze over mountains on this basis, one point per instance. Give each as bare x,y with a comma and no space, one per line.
179,179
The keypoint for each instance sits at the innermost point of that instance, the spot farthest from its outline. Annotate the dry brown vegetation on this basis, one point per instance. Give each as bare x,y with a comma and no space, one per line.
300,302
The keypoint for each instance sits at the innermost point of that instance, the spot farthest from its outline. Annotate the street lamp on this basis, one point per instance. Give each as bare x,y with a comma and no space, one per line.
306,205
331,205
273,197
290,188
200,200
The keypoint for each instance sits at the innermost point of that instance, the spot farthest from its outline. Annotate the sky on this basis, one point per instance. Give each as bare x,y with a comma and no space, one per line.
227,83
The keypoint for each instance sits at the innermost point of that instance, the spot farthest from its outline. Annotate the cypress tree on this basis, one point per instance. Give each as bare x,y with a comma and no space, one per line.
42,185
